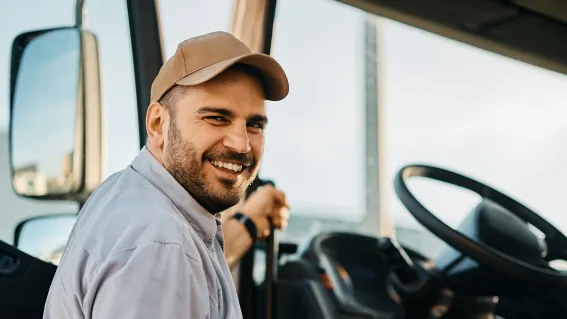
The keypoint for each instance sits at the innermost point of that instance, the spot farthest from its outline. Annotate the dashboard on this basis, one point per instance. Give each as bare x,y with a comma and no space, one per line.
352,270
353,279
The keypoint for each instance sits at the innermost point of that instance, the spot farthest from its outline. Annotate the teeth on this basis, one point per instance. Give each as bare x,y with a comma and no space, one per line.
230,166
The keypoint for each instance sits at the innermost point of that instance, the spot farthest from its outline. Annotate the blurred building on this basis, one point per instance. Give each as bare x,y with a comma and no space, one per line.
67,163
15,208
27,180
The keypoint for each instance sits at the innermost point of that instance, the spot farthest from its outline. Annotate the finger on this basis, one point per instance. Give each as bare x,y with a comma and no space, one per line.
280,223
276,221
262,225
278,196
280,212
264,233
280,216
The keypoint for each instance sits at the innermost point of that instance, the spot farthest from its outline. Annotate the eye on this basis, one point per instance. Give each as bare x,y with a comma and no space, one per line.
216,119
255,126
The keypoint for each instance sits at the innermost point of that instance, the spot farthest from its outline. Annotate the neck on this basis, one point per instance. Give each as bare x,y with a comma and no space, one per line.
156,152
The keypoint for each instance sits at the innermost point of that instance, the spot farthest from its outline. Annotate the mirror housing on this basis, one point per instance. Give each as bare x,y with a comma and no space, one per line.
45,237
55,134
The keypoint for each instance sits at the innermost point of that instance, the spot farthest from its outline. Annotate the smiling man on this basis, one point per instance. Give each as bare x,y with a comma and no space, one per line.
149,242
214,135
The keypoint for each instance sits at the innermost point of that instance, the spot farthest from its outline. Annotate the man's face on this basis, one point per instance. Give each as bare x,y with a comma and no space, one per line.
214,140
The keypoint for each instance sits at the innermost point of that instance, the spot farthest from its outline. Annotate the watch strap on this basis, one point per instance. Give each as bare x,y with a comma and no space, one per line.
248,224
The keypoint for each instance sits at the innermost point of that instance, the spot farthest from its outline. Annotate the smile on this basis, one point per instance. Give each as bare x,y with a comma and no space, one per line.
236,168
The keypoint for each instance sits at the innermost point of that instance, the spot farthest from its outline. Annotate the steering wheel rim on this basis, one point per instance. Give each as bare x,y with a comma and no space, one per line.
556,241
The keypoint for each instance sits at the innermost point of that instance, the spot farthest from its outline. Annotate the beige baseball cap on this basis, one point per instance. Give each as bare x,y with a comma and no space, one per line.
201,58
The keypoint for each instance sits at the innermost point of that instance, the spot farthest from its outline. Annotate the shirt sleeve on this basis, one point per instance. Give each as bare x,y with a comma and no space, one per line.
154,280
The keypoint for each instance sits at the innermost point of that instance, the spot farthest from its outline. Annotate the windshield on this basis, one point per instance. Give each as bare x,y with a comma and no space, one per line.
441,102
315,142
497,120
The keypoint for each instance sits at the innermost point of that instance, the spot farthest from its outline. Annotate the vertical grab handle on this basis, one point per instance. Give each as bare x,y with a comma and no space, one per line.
272,246
272,252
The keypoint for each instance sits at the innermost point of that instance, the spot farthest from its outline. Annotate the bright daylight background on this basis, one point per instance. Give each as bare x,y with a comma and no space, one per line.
445,103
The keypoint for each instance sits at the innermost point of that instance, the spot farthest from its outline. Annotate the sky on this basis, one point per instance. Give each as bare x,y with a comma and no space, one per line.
444,103
39,129
51,232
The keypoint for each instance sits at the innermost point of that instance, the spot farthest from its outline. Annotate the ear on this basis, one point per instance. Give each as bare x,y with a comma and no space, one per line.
156,119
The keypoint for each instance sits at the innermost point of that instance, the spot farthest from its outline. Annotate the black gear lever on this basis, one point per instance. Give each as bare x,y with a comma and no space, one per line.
400,263
413,286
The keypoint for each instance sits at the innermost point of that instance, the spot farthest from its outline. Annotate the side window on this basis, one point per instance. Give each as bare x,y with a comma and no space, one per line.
183,19
18,17
315,148
109,21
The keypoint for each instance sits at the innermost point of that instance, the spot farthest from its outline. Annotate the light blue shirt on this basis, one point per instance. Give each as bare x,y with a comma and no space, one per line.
142,247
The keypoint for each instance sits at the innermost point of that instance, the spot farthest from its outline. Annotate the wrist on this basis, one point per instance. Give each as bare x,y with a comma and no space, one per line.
248,224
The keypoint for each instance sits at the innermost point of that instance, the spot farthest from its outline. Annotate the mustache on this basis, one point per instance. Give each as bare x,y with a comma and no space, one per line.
240,158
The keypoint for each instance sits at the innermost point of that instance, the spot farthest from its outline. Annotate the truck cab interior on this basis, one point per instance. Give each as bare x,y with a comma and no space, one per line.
503,258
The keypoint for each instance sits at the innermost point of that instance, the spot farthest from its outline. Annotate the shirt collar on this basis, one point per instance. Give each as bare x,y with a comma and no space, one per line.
206,225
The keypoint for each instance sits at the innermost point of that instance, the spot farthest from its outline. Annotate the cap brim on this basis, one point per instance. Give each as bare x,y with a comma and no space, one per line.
275,80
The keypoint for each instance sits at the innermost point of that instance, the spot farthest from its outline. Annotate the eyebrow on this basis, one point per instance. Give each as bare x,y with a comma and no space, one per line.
228,113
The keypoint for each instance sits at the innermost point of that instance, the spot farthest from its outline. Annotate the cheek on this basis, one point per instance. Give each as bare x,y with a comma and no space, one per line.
206,138
257,145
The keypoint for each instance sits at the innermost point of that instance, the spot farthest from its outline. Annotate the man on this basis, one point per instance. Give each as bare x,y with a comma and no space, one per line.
149,242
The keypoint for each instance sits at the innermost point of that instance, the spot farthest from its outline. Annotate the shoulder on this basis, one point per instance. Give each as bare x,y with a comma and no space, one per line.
123,217
153,250
168,281
125,227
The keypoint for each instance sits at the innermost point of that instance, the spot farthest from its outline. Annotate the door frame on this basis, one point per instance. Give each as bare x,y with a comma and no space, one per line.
147,54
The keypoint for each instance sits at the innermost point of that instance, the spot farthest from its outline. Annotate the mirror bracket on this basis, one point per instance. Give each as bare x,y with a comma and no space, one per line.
80,15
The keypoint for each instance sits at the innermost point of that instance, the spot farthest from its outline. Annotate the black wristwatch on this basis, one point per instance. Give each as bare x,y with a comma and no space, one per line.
248,223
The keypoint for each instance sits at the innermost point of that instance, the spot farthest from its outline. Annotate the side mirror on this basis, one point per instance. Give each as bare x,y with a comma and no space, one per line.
55,114
45,237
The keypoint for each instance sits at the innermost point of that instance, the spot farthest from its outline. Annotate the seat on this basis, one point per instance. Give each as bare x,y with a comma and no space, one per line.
24,283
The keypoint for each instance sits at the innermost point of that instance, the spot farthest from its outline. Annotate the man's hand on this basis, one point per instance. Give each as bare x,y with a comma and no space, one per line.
267,202
263,203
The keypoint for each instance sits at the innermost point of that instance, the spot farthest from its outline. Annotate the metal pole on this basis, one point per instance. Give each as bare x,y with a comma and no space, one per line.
273,244
80,14
371,129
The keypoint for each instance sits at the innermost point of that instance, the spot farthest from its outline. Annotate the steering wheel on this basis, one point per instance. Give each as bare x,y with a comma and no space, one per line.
485,255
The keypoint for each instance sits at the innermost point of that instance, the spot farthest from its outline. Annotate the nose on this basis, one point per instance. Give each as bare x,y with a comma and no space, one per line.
237,139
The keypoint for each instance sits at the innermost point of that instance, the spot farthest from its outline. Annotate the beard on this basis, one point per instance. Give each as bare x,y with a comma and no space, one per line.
182,162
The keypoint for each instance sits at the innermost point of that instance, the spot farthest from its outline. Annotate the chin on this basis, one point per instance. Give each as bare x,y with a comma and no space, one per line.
232,193
220,201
